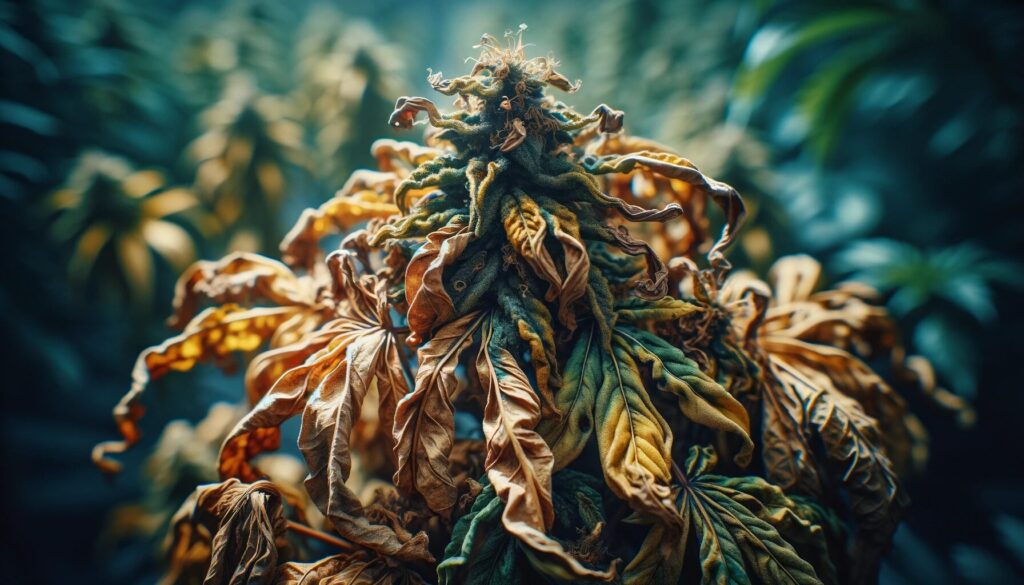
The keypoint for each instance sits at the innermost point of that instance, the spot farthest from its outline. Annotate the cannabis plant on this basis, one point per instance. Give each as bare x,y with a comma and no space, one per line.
115,217
544,394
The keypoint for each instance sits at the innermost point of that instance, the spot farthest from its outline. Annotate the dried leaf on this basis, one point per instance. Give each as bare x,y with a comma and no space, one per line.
429,303
247,528
519,462
239,277
347,569
877,499
362,317
366,195
676,167
425,418
526,230
327,424
213,335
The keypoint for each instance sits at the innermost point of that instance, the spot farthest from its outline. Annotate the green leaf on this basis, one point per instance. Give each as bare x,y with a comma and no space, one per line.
827,97
636,309
569,434
633,439
493,558
701,399
486,511
769,504
755,78
736,528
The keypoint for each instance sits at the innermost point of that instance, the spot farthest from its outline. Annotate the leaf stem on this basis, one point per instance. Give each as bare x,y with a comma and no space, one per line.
309,532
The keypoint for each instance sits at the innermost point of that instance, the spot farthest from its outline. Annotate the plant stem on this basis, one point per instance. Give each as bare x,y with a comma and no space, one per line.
317,535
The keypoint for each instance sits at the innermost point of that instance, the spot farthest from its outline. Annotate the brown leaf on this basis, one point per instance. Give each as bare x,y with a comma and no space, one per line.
242,278
656,285
366,195
676,167
563,224
213,335
519,462
399,156
429,303
877,500
362,312
267,368
425,418
347,569
327,423
247,528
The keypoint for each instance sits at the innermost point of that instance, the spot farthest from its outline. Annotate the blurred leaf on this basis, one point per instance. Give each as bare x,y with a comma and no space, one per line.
1012,532
951,351
962,274
982,567
764,64
115,217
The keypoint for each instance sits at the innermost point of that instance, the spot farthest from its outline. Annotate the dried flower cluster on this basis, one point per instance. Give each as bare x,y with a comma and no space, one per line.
526,339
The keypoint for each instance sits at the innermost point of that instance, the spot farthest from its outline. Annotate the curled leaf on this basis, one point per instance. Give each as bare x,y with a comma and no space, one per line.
242,527
425,418
429,302
213,335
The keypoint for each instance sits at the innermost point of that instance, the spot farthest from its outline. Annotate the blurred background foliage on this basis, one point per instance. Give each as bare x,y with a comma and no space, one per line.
883,137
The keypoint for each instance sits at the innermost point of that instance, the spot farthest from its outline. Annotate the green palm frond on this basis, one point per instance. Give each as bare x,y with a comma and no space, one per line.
847,45
962,275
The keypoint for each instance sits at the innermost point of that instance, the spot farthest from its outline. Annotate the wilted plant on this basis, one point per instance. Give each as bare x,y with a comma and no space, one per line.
737,427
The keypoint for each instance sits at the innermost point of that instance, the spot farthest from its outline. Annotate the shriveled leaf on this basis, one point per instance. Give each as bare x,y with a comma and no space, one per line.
247,528
425,418
347,569
429,303
526,230
366,195
241,278
563,224
876,496
676,167
267,368
212,336
259,430
327,423
519,462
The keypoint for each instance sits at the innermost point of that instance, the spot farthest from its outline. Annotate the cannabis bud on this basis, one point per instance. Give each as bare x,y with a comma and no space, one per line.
535,347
